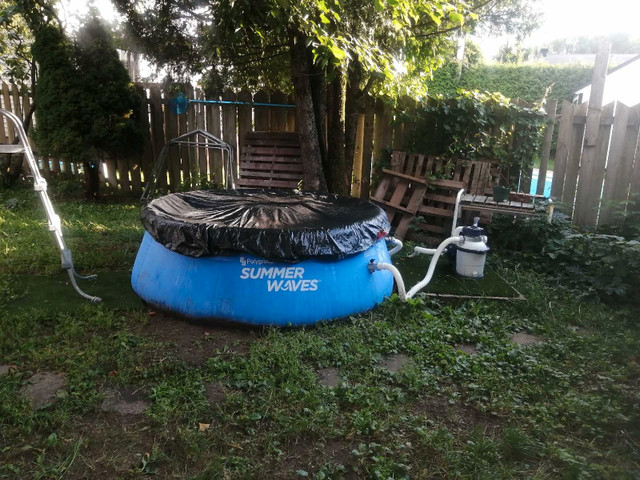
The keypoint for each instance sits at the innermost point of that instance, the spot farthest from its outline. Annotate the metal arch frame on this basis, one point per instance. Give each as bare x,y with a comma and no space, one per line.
210,141
40,186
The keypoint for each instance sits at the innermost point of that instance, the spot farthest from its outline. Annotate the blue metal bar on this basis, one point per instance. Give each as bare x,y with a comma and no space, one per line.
256,104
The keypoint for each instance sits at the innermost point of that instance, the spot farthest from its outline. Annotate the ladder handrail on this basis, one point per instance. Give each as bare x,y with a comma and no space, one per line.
55,224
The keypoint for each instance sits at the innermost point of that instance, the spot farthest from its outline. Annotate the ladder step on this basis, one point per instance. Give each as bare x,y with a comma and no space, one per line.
8,148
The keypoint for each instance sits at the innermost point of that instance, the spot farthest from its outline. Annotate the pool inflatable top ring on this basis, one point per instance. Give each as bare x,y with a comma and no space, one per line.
275,225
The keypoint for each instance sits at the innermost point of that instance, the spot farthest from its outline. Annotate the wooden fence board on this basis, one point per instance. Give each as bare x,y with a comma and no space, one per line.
18,108
245,122
185,124
594,158
573,157
550,122
213,118
229,130
291,115
203,176
6,103
562,149
262,113
173,158
279,114
615,165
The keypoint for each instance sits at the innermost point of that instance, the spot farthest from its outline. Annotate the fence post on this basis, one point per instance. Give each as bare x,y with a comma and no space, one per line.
356,183
585,201
550,124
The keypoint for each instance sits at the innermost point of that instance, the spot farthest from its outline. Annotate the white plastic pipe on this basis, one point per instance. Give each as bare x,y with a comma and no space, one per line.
432,265
397,245
402,291
456,212
426,251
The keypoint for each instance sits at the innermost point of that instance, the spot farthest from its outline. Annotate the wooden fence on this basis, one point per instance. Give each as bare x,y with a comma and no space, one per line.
591,174
12,100
188,167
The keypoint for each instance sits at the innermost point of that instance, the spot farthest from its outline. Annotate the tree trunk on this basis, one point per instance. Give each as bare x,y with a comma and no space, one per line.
92,178
336,169
319,95
353,106
313,175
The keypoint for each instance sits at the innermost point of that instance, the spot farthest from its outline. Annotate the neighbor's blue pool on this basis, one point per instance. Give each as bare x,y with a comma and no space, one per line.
547,183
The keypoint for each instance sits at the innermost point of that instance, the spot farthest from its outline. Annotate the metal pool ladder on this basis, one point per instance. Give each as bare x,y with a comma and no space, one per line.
40,186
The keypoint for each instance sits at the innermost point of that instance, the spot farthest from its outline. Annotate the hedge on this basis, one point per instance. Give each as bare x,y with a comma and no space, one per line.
528,82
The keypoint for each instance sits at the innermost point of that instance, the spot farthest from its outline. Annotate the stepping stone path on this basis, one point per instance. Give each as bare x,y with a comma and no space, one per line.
42,388
126,401
394,363
215,393
468,348
525,339
329,377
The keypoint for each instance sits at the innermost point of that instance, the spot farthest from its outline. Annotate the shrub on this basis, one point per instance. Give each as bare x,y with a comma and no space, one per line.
591,263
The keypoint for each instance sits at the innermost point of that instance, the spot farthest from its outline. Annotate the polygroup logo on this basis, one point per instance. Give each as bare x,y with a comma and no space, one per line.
244,261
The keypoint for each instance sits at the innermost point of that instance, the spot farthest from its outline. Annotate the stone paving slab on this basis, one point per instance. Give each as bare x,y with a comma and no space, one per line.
395,363
126,401
525,339
42,388
329,377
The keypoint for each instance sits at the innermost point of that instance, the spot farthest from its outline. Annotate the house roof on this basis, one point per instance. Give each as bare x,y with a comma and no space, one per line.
622,84
584,58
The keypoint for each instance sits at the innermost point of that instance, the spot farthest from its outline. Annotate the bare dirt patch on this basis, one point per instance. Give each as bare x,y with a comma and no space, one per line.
395,363
525,339
194,343
126,401
113,446
310,455
329,377
43,387
216,393
456,417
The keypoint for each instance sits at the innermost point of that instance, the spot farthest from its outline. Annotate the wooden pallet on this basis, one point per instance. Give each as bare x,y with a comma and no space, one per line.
401,196
270,160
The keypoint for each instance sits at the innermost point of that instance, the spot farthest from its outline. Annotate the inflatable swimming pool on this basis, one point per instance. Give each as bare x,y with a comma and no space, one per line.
261,257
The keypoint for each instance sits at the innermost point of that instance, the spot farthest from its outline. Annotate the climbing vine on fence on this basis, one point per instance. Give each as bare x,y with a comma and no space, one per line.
476,125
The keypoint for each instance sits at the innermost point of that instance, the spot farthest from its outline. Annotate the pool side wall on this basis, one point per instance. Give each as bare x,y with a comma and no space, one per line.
248,289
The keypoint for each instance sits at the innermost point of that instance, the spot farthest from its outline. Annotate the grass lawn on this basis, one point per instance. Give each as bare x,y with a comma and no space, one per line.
423,390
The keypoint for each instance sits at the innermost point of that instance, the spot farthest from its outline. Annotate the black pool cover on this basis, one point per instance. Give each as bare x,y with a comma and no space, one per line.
276,225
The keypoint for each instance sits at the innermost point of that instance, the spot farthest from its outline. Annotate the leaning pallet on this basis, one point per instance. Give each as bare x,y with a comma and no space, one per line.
401,196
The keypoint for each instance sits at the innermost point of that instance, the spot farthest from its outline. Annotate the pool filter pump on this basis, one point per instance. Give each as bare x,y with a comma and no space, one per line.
471,251
468,245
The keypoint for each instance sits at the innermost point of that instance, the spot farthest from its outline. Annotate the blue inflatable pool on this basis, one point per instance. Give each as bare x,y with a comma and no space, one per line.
262,258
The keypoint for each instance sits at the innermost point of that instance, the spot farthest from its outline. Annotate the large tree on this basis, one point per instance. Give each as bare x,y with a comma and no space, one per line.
336,51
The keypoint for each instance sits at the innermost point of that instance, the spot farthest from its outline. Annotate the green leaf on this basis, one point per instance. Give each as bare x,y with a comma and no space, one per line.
456,17
379,5
337,52
324,19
